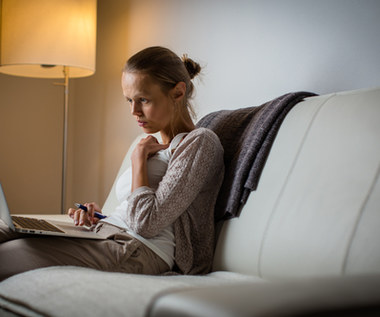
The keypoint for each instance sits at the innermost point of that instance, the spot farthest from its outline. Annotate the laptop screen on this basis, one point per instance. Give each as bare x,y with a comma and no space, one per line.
4,211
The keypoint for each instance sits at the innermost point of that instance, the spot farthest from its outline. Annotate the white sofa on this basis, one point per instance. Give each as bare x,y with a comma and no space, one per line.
307,243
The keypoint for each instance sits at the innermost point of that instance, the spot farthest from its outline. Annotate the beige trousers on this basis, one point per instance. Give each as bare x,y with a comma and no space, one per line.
120,252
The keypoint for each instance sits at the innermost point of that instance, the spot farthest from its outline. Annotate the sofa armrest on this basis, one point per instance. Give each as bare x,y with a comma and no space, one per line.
348,296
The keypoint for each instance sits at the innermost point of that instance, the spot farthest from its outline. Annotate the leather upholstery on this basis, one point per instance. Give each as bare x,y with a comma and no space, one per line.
315,212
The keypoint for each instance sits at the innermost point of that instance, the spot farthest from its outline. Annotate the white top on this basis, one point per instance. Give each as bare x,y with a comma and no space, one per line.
164,243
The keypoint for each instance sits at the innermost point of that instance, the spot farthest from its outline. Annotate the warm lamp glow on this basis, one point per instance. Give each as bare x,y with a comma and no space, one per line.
49,39
52,33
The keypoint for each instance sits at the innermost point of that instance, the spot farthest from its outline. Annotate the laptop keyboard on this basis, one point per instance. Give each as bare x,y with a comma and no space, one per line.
35,224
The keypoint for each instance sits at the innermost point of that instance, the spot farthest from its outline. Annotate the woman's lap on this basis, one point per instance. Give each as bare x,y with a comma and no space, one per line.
118,253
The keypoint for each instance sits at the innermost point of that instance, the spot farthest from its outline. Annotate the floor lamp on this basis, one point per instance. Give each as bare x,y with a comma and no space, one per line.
49,39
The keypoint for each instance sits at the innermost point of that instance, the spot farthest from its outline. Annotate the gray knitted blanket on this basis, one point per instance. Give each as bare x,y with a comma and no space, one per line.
247,135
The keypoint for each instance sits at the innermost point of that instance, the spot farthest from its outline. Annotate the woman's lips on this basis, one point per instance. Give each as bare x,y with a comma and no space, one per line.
141,123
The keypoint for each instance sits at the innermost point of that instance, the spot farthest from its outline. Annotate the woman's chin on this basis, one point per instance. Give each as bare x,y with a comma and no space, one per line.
148,130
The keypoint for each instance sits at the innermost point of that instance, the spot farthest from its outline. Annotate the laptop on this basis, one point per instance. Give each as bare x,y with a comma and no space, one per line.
30,225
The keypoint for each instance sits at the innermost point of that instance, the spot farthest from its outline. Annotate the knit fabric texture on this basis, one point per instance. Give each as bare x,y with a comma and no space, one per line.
247,135
186,197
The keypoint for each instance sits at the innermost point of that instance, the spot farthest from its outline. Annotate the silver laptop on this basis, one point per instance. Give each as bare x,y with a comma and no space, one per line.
43,226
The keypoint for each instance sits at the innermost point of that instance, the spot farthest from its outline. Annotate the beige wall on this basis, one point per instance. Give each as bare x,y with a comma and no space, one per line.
251,50
30,143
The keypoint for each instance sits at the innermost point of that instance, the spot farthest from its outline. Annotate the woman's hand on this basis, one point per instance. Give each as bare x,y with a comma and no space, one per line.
146,148
82,217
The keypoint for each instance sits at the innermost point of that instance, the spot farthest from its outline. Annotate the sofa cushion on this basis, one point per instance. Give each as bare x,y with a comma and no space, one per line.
73,291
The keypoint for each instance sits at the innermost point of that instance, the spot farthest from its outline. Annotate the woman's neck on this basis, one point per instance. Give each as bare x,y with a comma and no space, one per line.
167,136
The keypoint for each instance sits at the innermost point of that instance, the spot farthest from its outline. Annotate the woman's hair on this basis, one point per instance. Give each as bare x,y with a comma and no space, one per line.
167,69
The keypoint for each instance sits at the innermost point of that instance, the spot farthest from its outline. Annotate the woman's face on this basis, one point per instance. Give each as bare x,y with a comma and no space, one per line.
149,104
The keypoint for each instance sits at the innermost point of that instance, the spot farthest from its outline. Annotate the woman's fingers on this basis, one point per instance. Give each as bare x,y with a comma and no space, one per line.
75,214
82,217
91,208
71,212
149,146
79,216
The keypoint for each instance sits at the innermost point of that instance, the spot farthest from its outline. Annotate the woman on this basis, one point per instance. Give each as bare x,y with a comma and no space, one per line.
164,221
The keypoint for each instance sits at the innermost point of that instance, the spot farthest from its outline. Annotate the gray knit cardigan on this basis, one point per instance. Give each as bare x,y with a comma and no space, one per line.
186,197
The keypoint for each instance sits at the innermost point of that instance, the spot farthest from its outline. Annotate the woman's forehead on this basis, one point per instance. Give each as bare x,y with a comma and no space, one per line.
136,82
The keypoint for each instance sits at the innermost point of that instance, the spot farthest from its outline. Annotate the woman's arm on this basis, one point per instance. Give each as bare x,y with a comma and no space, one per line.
194,160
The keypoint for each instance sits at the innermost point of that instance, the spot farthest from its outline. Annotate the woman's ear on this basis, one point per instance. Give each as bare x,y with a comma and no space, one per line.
179,91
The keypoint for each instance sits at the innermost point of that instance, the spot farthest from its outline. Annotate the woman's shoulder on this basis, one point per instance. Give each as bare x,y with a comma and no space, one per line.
202,138
203,133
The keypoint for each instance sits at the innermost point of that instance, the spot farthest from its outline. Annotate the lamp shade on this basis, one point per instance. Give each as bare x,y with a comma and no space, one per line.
40,37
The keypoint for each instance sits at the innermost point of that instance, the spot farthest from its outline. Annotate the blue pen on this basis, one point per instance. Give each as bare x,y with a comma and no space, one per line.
96,214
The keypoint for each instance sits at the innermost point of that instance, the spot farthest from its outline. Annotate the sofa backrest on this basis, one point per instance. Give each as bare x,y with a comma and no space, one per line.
316,211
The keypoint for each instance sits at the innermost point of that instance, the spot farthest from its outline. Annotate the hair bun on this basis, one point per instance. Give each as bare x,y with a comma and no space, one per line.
193,68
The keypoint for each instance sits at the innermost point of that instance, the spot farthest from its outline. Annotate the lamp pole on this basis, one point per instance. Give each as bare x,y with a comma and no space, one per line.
65,85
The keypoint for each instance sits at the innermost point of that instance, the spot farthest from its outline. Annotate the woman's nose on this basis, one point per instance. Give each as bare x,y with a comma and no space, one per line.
135,108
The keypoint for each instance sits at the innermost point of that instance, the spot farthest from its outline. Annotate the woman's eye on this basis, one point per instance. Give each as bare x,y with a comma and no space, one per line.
143,100
129,100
